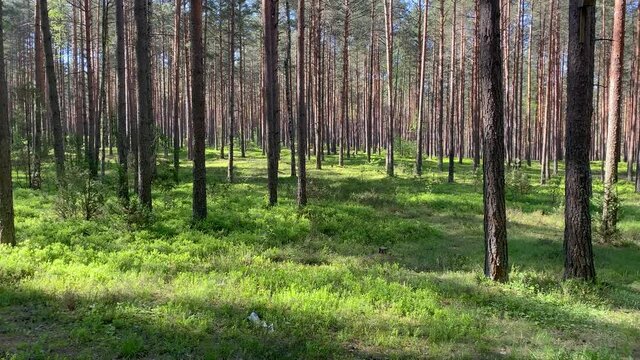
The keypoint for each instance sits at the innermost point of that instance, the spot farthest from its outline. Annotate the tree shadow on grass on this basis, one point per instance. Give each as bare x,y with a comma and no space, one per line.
352,217
35,324
38,325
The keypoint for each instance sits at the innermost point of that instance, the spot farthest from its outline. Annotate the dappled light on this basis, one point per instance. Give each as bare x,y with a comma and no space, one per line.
83,288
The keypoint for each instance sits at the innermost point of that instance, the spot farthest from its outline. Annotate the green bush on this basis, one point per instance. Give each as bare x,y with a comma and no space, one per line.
518,182
80,195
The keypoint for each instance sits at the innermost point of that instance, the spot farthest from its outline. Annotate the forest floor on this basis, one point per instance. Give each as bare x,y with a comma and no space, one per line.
126,286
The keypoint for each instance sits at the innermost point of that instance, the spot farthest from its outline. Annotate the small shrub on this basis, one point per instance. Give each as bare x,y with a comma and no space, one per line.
556,191
407,168
69,300
137,215
80,195
478,178
518,182
165,178
215,189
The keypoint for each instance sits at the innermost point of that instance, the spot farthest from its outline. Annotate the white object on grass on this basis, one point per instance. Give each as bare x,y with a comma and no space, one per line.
255,319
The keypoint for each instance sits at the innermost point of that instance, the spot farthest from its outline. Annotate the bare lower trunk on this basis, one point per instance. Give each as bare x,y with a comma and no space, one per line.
614,118
176,92
145,110
421,92
36,181
440,90
232,93
577,234
7,228
369,120
388,7
123,181
54,103
452,98
490,71
302,110
198,113
270,23
288,95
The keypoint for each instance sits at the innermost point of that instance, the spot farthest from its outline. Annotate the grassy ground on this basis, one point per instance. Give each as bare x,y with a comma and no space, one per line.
110,288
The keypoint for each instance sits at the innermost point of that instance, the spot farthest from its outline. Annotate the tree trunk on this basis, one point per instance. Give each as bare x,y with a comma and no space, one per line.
123,178
176,92
270,74
7,227
577,234
370,99
94,132
302,110
142,13
36,180
528,145
103,91
495,222
319,91
452,98
232,91
198,113
421,94
388,10
54,104
440,90
637,100
614,118
288,95
461,94
476,97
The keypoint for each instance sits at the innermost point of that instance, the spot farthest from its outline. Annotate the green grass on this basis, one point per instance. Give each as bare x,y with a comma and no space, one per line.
105,288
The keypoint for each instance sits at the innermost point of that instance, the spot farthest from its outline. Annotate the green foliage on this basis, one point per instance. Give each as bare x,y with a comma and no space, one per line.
518,182
478,178
135,215
131,347
556,189
135,284
611,236
80,196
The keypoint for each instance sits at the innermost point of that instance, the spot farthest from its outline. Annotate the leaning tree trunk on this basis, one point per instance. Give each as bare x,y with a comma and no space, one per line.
495,223
145,110
577,233
54,104
7,228
614,118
